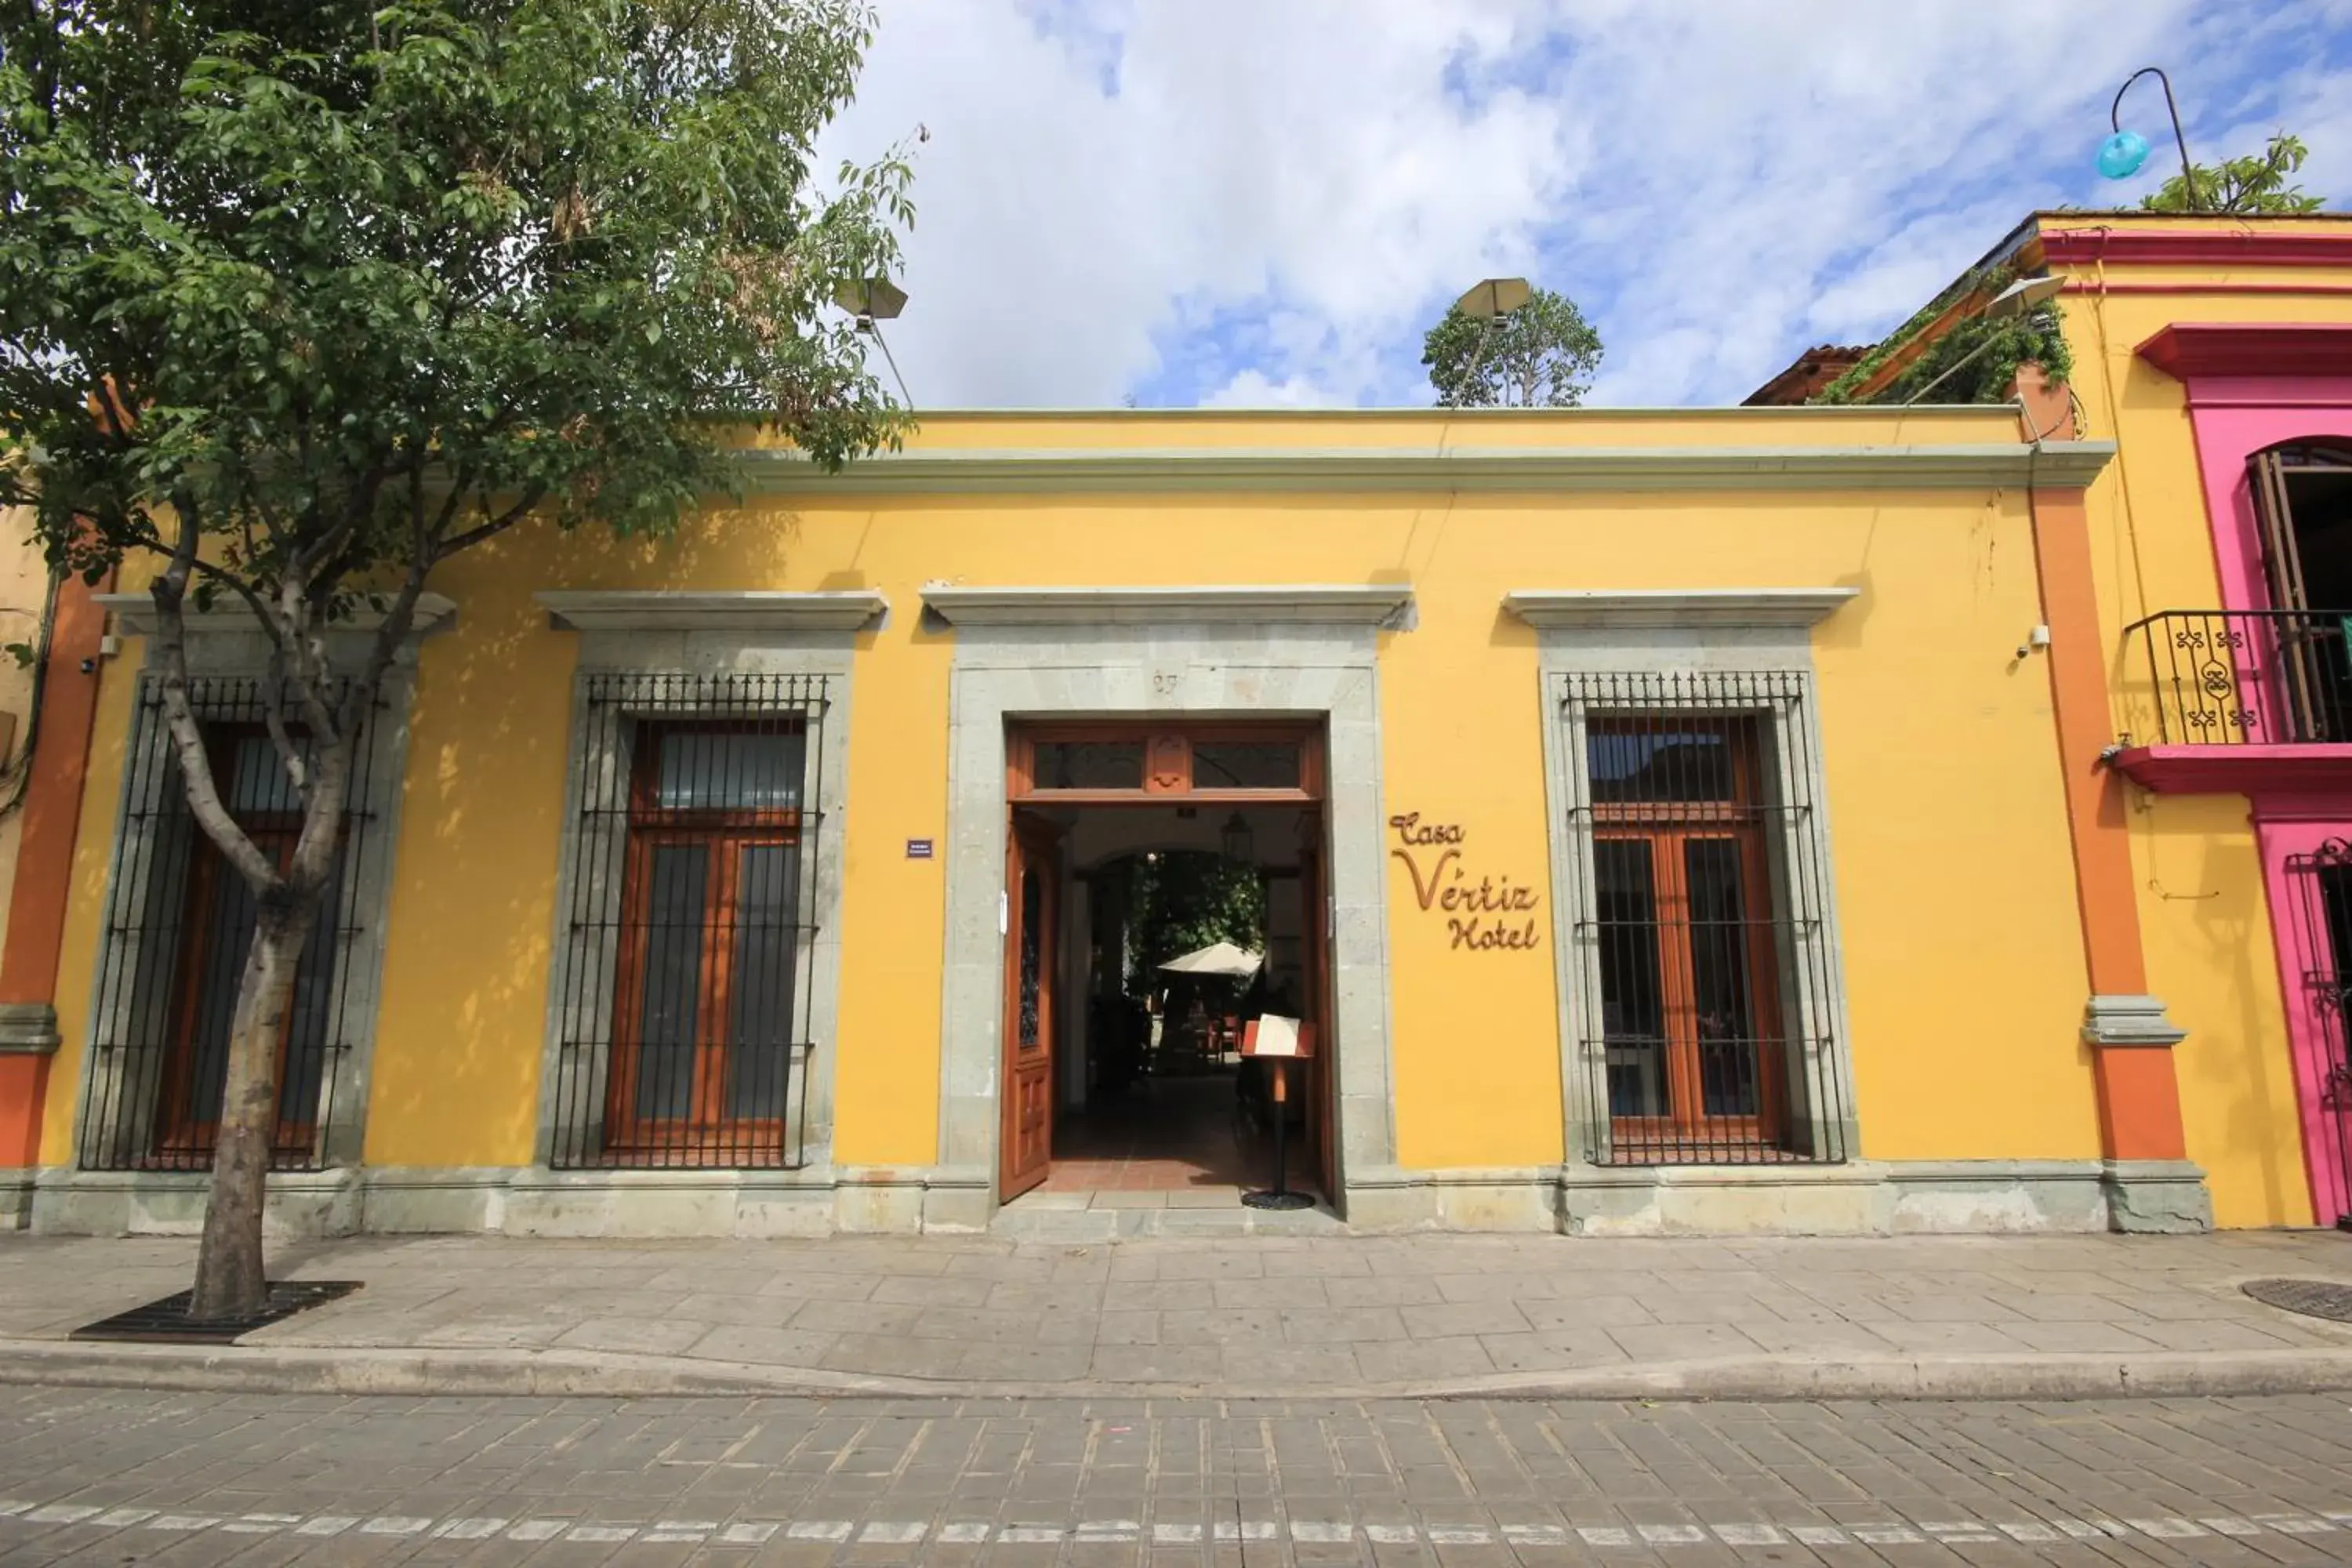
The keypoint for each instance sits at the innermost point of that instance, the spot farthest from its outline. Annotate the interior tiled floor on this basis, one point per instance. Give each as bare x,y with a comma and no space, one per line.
1166,1144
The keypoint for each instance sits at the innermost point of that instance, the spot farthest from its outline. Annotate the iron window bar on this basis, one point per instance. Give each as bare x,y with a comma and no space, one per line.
687,995
168,970
2320,881
1708,1026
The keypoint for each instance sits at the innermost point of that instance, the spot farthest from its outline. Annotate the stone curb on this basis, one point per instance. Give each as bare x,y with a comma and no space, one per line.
421,1373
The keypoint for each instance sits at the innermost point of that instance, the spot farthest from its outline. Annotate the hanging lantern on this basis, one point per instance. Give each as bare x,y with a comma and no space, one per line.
2121,155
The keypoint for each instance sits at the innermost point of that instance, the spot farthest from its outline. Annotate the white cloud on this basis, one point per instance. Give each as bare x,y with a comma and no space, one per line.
1255,156
1232,201
1251,389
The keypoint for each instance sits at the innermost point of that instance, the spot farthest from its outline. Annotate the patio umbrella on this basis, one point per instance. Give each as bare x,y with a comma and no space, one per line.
1217,958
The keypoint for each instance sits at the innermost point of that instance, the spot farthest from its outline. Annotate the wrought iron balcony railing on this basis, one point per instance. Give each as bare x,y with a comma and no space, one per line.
2243,677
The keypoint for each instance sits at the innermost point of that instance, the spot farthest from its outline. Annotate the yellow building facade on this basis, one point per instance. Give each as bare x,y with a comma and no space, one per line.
1670,818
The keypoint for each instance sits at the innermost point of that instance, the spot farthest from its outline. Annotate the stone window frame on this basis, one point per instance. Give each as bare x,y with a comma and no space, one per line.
654,633
227,644
1190,652
1664,632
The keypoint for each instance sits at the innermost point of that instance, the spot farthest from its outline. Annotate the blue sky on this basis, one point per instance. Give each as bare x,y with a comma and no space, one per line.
1266,202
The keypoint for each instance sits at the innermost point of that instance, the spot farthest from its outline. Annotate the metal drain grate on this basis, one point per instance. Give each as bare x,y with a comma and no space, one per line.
2313,1298
166,1322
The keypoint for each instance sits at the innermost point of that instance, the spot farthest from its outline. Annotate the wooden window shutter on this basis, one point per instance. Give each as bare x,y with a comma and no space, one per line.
2282,563
2301,674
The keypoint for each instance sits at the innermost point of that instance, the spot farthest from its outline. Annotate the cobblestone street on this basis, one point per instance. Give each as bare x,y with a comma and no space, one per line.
112,1477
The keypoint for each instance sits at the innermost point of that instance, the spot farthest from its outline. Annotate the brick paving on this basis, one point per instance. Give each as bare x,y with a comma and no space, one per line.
91,1476
1406,1314
1173,1146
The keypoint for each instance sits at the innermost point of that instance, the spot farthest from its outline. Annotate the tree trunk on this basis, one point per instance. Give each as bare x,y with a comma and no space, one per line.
230,1282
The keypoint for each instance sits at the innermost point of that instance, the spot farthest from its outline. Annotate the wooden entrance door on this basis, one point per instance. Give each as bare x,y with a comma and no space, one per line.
1032,964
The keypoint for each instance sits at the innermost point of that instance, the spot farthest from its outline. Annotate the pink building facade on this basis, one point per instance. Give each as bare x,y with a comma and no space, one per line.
2260,698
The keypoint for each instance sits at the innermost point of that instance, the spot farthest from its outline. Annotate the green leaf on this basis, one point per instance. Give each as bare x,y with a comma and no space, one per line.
2242,186
1542,355
406,238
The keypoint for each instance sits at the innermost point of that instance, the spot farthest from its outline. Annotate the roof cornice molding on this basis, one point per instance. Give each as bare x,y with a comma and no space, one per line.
2187,349
743,611
1615,610
1378,604
134,614
1955,466
2195,247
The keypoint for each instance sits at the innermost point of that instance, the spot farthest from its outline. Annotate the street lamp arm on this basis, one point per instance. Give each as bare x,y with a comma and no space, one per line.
2115,123
1946,374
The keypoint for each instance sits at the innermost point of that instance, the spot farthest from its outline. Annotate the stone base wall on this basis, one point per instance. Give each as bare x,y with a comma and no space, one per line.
1864,1198
15,1199
1860,1198
301,1205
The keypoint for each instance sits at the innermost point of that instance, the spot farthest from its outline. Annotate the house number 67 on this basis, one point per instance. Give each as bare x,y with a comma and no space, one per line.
1164,682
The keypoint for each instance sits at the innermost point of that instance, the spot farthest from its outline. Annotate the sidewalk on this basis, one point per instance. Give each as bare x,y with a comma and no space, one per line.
1979,1316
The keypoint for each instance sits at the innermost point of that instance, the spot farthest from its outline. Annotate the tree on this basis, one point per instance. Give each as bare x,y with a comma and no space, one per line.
1973,360
1541,355
301,298
2249,185
1187,899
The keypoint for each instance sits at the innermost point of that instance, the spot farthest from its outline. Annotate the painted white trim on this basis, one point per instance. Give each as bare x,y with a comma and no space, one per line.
744,611
1583,609
1376,604
134,616
2068,465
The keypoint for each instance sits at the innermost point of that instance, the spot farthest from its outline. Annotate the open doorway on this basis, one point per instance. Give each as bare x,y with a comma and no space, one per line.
2303,501
1182,946
1158,902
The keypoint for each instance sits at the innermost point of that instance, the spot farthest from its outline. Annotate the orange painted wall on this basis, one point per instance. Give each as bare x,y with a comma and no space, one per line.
2204,914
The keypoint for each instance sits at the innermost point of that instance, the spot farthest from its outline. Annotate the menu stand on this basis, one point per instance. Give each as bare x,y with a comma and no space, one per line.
1278,1042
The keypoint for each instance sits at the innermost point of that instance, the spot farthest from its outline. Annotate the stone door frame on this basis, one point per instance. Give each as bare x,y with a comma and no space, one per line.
1198,655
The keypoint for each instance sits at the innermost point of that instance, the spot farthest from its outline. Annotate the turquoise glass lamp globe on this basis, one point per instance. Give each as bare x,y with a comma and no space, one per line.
2121,155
